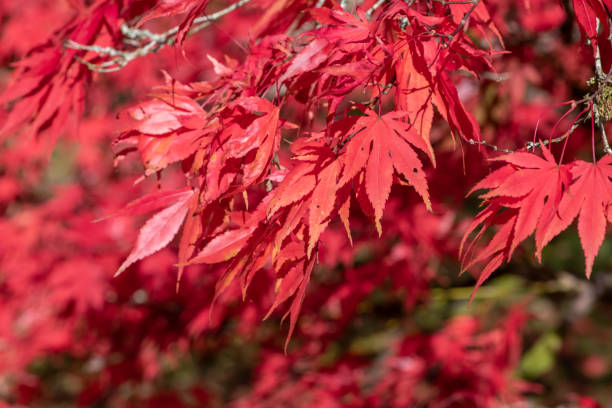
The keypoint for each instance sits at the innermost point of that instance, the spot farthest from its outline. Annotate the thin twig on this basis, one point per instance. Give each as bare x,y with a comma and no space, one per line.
533,145
598,67
492,146
135,36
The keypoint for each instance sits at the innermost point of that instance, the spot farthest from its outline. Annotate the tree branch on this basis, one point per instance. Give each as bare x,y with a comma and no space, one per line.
607,148
531,145
134,37
604,99
489,145
374,8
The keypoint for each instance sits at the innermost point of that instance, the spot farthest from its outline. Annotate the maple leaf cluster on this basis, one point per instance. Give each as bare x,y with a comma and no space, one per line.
229,143
296,159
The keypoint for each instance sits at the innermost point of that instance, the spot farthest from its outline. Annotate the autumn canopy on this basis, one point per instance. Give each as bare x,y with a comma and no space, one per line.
281,197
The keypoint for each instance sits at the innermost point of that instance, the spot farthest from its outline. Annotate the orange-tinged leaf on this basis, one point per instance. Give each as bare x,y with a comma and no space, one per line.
378,179
256,170
322,202
296,304
291,222
357,153
286,287
446,99
233,269
189,238
343,213
158,152
407,164
414,96
262,128
298,183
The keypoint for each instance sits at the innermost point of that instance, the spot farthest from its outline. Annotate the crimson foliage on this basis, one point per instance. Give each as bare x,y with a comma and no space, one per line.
311,160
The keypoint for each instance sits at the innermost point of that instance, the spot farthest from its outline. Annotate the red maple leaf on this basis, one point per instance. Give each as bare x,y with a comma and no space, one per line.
158,231
588,198
523,197
382,145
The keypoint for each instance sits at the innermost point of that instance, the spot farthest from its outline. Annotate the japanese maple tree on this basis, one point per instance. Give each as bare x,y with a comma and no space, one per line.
293,157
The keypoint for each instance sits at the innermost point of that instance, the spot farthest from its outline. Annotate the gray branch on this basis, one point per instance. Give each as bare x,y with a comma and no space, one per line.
135,37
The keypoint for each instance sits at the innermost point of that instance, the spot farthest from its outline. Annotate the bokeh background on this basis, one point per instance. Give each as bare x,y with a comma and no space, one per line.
386,322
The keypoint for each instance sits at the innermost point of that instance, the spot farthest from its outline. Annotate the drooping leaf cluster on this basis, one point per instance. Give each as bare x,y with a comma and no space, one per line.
311,134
